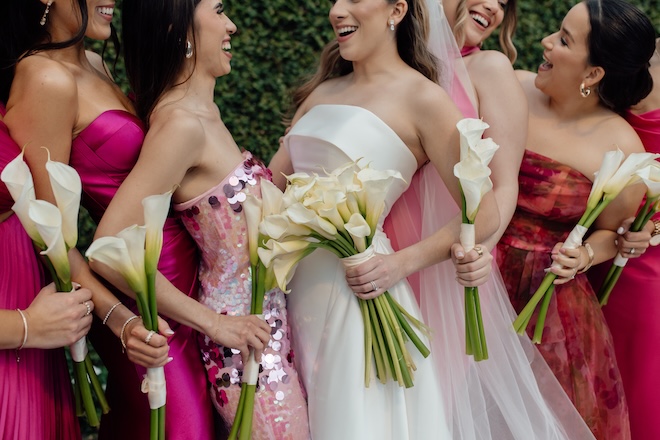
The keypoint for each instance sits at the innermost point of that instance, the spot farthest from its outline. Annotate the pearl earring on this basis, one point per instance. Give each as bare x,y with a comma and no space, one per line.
189,49
43,17
392,25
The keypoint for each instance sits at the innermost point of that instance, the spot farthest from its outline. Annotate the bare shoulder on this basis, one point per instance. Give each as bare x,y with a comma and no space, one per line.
616,131
48,79
489,62
175,127
526,78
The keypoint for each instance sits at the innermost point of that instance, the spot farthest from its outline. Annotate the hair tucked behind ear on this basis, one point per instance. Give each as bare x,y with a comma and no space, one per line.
411,36
154,35
622,42
21,35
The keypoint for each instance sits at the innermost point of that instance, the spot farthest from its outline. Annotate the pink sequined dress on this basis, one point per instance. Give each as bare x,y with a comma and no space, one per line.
217,223
35,395
576,343
632,314
103,154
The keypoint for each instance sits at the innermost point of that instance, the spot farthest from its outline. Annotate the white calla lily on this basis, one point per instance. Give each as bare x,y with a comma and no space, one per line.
306,217
650,175
376,184
470,131
626,174
485,150
359,230
475,182
67,189
134,237
272,198
611,162
48,221
16,175
114,253
282,258
280,227
156,208
252,208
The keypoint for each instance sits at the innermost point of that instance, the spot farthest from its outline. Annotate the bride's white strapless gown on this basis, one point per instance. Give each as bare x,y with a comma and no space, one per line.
324,314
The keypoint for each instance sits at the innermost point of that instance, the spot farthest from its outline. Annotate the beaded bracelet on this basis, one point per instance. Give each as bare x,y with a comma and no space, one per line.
25,328
590,253
112,309
123,327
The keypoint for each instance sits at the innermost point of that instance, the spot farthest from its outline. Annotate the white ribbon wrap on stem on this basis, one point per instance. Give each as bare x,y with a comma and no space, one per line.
574,240
79,350
467,236
620,261
357,259
251,367
154,386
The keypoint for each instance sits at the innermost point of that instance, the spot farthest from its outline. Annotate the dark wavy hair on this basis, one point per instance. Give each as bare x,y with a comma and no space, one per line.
411,37
21,35
154,36
622,42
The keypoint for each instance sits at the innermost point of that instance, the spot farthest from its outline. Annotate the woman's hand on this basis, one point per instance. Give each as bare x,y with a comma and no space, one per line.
633,244
376,275
473,268
569,259
242,333
57,319
145,347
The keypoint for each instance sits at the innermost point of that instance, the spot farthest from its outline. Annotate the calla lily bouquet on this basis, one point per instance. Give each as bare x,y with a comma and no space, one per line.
54,230
339,212
651,177
134,253
474,177
614,175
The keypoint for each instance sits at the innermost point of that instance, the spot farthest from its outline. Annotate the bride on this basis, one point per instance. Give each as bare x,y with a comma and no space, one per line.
376,96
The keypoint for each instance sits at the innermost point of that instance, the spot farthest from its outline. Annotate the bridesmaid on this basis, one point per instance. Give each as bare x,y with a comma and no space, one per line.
590,74
634,304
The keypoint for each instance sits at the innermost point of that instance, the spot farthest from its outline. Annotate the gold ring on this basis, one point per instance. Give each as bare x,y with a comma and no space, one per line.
149,336
374,287
479,251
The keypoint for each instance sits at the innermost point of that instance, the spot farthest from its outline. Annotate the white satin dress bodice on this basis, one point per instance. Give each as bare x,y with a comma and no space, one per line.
325,317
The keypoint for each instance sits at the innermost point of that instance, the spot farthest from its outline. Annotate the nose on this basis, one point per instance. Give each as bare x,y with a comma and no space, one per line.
231,27
546,42
490,5
337,11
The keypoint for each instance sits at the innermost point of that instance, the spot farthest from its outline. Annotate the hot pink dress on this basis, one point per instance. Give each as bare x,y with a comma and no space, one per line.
216,222
103,154
632,314
35,395
576,341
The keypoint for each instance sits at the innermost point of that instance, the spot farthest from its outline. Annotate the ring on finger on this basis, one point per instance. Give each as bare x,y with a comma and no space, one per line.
374,287
89,309
574,273
149,336
479,251
632,251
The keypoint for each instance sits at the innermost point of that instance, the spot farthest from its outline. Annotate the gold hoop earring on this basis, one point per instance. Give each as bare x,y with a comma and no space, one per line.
42,22
585,91
189,49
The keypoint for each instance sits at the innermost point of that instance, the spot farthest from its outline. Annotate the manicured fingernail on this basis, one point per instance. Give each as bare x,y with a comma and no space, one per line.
169,359
460,254
620,230
616,242
169,332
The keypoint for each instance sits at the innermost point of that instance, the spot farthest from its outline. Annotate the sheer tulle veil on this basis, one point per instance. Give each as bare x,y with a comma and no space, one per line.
513,394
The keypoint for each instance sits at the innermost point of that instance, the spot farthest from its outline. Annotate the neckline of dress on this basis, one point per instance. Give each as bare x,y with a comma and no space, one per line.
107,112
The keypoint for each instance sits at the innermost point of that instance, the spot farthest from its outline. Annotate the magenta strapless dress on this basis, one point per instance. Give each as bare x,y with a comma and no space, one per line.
103,154
35,395
632,314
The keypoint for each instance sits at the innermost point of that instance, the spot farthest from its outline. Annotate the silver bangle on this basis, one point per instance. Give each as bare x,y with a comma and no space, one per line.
123,327
25,328
112,309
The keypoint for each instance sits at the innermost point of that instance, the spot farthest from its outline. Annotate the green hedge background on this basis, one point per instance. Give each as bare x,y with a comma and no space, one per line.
277,45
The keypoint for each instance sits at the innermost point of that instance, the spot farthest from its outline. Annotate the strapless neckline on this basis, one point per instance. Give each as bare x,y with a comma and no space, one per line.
96,121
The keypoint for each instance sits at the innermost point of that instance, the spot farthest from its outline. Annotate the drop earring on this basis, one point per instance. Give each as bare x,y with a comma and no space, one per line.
585,91
42,22
189,49
392,25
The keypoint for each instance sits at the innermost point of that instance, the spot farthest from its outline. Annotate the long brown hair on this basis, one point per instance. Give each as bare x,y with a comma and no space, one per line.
411,37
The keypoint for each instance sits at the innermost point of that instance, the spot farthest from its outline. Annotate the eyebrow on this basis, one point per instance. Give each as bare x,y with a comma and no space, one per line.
568,33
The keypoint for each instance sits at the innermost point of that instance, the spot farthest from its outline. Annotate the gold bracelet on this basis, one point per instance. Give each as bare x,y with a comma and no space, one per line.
112,309
25,333
123,327
590,252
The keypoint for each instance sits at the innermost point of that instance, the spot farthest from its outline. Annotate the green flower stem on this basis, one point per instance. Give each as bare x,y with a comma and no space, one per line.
77,398
368,342
480,325
608,285
419,325
86,394
239,414
417,342
246,422
151,301
543,312
153,424
381,371
387,366
471,322
161,423
396,330
641,216
521,322
389,338
96,385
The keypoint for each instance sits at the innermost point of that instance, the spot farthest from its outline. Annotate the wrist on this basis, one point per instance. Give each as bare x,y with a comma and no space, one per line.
590,257
655,232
